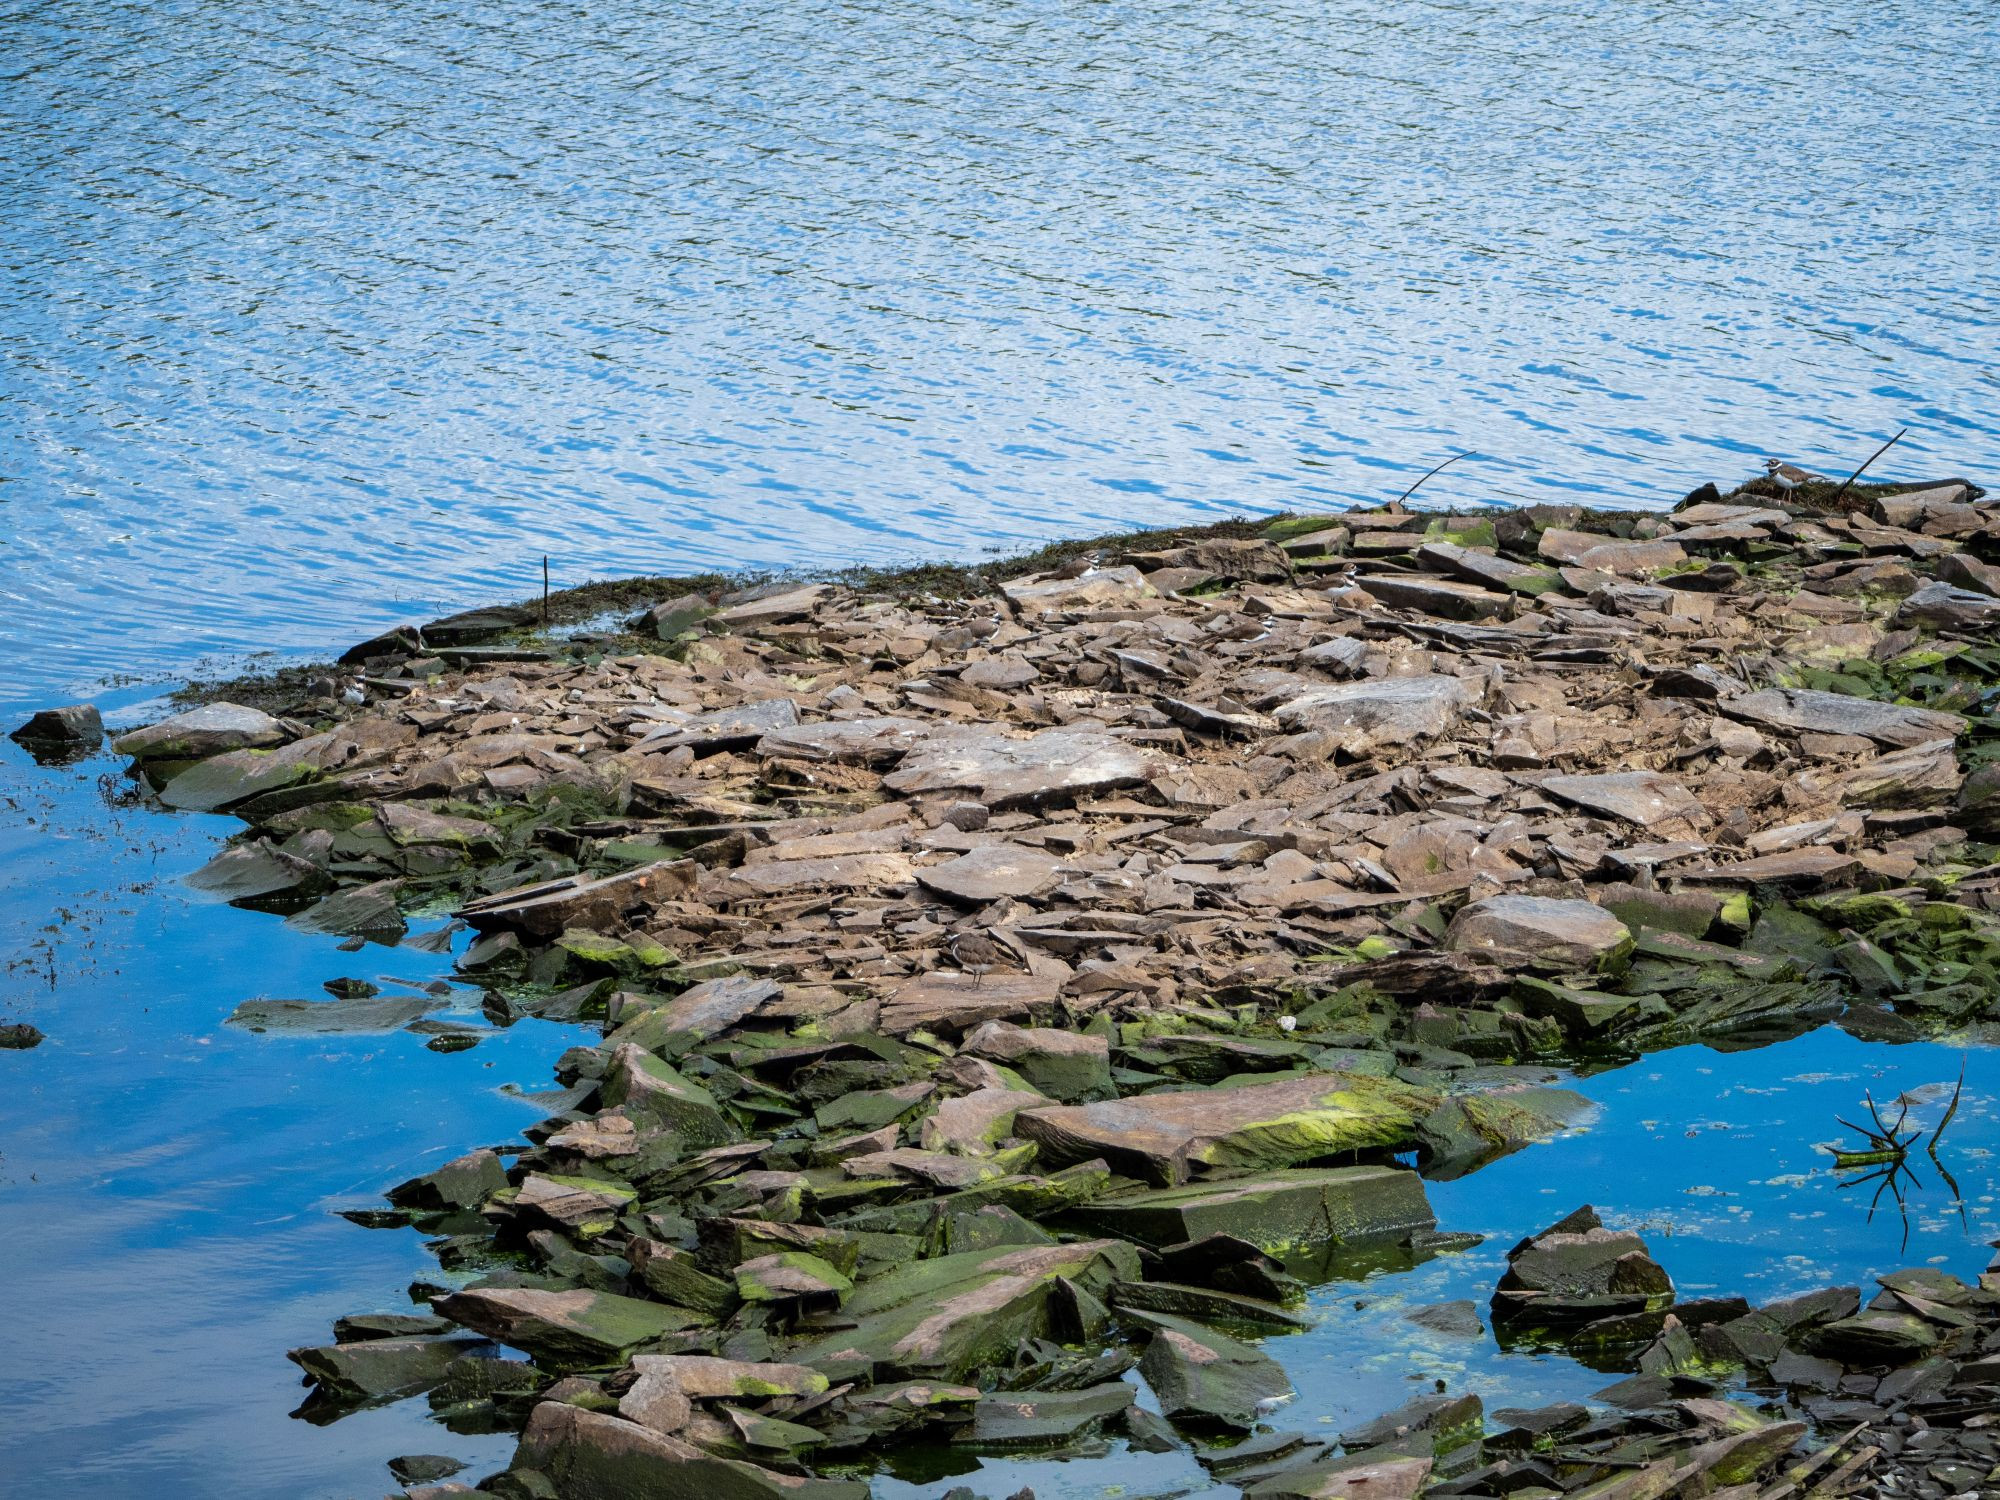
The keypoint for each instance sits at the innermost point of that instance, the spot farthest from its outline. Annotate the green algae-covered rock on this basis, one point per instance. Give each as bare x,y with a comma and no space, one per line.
1039,1419
958,1313
1164,1138
1207,1378
1274,1211
787,1276
380,1369
464,1182
588,1455
651,1090
1465,1133
571,1328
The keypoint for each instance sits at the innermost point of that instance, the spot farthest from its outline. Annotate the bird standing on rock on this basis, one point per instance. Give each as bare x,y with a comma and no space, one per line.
1789,477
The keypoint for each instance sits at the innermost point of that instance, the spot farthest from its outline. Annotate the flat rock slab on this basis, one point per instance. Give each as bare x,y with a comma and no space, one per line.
78,724
1806,711
1100,588
1539,932
876,741
245,872
333,1017
959,1002
381,1369
1645,798
1941,606
202,732
954,1314
1432,596
1055,765
1380,712
548,909
573,1328
1207,1378
724,728
1275,1211
595,1456
1163,1138
993,873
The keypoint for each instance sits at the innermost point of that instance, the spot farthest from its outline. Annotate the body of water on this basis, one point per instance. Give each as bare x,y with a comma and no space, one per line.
319,315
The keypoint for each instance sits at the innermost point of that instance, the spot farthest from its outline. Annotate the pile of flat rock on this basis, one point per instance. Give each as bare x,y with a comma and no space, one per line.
1005,988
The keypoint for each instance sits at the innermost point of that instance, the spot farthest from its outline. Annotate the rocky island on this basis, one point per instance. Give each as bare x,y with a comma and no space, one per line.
1013,978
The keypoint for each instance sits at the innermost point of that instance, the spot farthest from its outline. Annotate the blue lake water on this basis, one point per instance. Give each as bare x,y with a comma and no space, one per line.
321,316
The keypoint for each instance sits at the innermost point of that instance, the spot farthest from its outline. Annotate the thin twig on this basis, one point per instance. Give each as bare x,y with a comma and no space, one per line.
1938,1134
1863,469
1445,465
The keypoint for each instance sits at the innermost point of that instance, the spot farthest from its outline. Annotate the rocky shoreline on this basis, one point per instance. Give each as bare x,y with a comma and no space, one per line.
1009,980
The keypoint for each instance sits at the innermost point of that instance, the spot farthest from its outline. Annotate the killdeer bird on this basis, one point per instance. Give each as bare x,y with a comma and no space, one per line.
1788,477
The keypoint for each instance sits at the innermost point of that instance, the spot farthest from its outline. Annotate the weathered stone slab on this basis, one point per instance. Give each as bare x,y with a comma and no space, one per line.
994,872
856,742
590,1455
1209,1379
334,1017
957,1313
959,1002
1539,932
574,1328
1163,1138
1101,588
1807,711
201,732
1056,765
1275,1211
1645,798
1380,712
547,909
380,1369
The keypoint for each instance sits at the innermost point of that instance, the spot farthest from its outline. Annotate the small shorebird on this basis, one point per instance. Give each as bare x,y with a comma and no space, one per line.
1789,477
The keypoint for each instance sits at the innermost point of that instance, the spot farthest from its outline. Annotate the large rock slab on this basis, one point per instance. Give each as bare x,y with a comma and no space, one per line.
380,1369
549,908
1807,711
202,732
350,1015
955,1314
573,1328
591,1455
1101,588
1539,932
1644,798
1056,765
1941,606
650,1089
959,1002
1206,1378
1380,712
880,741
1165,1138
994,872
1275,1211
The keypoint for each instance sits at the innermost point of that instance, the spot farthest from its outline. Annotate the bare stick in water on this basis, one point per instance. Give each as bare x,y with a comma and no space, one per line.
1445,465
1864,468
545,591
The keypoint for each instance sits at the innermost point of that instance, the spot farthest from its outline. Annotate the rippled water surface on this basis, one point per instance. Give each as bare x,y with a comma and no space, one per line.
319,314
